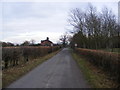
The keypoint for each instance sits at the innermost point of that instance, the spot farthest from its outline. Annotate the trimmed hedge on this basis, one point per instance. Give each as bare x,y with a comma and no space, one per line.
12,56
108,61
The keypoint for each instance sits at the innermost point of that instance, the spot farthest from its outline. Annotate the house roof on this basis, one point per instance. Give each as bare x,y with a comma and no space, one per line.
47,40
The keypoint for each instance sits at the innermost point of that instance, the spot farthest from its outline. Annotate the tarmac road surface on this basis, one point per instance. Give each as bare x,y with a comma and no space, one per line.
61,71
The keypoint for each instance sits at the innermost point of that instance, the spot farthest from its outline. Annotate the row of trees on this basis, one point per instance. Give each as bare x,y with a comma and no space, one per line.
93,29
5,44
25,43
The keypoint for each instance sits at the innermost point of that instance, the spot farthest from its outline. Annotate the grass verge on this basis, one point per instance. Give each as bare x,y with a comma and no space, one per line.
11,74
95,76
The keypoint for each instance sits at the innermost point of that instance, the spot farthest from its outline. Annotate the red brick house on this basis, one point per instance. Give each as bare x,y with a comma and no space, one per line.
46,42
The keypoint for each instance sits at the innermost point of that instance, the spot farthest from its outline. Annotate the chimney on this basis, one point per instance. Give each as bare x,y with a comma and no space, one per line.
47,38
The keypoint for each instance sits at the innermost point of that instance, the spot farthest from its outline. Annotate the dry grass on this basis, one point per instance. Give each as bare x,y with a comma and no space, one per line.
12,74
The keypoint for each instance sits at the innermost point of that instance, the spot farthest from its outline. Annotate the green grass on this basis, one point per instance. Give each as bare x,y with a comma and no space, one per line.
14,73
95,76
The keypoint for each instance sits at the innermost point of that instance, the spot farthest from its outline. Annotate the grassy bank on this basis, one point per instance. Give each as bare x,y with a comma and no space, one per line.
95,76
12,74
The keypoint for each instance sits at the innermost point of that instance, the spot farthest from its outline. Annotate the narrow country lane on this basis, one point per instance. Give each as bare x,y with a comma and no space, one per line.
61,71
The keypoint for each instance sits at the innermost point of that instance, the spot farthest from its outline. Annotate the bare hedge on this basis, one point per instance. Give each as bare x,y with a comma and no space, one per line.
12,56
108,61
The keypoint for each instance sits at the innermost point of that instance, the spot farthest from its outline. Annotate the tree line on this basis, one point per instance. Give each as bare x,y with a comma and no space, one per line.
25,43
93,29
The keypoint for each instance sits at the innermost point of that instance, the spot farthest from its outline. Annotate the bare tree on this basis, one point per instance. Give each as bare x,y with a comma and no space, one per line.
109,27
93,29
64,39
32,41
25,43
77,19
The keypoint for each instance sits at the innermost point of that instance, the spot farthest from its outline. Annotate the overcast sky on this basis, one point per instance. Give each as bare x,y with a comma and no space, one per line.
37,20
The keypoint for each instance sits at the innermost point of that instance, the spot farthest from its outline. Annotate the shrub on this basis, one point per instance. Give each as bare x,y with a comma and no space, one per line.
13,55
108,61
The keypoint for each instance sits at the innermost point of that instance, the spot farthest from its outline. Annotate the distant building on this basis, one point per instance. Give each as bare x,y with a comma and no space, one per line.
46,42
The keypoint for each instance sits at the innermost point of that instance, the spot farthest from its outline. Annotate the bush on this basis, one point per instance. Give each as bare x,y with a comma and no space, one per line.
10,56
13,56
110,62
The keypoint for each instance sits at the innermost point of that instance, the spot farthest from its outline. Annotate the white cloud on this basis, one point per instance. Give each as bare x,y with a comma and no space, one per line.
52,24
37,20
59,0
48,22
19,30
37,36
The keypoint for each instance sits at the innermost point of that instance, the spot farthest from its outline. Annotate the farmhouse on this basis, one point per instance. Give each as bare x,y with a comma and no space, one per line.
46,42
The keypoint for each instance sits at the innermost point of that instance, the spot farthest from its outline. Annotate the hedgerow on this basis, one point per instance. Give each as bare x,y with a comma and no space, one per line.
108,61
12,56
